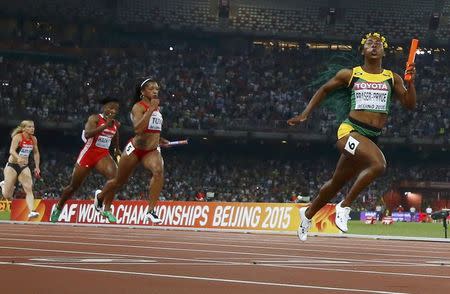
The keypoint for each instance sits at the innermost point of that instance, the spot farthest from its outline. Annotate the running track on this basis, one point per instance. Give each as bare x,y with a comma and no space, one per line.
72,259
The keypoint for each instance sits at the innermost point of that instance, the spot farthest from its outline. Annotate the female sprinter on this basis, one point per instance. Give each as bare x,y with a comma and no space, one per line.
371,90
100,130
142,148
22,144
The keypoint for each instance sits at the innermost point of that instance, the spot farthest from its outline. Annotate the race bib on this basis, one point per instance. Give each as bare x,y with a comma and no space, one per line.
155,121
129,148
371,95
26,150
103,142
351,145
371,100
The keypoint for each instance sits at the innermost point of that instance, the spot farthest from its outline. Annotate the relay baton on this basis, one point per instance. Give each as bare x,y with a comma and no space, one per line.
175,143
411,57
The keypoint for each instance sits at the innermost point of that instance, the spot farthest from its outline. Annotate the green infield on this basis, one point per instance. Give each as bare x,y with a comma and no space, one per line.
5,215
431,230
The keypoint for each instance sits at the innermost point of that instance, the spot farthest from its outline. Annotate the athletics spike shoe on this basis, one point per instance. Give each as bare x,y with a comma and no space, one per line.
55,215
108,214
305,224
342,217
153,217
33,214
98,204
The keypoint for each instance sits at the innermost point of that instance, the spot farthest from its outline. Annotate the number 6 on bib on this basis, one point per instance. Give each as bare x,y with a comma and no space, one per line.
351,145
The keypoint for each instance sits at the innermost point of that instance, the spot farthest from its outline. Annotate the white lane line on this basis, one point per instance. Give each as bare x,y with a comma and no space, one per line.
258,239
239,236
167,231
119,255
91,260
346,261
360,271
199,278
236,246
209,251
440,262
252,254
303,261
198,264
232,252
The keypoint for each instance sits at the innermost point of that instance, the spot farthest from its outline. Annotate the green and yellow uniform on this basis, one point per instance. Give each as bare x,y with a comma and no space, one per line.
369,92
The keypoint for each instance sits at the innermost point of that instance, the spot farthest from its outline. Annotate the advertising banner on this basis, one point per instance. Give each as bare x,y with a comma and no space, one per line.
5,209
202,215
363,215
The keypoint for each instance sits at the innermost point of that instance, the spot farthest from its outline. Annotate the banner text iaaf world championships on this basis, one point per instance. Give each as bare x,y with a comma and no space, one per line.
213,215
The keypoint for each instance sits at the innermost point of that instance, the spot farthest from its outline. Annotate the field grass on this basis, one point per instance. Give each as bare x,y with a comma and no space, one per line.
5,215
431,230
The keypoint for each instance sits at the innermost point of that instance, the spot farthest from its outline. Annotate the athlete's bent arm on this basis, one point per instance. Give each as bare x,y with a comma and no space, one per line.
91,129
141,118
12,150
406,96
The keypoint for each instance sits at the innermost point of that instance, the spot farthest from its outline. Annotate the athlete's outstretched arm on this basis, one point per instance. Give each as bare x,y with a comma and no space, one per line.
341,79
406,96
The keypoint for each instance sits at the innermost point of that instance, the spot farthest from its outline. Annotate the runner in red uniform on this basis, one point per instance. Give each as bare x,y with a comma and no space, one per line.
99,132
22,144
142,148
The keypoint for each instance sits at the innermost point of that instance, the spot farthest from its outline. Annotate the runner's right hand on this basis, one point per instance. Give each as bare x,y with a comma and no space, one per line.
154,103
110,120
297,119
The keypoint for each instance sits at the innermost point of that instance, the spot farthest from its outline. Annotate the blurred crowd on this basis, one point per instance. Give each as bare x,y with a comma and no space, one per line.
190,176
298,18
204,89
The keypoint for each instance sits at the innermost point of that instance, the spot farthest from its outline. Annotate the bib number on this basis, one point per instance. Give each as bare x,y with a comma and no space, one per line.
25,151
129,148
155,122
371,100
103,142
351,145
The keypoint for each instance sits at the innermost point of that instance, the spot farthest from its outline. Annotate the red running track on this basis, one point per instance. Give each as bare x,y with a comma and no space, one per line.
73,259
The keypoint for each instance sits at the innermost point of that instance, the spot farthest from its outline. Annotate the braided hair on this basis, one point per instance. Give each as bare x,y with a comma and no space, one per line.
337,101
